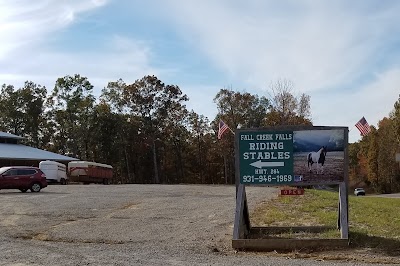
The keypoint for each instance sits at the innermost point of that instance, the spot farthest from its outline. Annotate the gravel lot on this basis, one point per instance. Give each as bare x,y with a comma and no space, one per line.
128,225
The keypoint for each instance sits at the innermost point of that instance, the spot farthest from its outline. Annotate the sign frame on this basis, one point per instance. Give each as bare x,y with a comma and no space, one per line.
259,152
243,231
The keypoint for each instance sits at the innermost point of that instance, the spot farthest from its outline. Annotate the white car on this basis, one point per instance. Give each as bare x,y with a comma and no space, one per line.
359,192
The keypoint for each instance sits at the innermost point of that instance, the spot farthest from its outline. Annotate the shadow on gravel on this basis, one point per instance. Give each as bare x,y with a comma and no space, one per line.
387,246
28,193
53,193
361,248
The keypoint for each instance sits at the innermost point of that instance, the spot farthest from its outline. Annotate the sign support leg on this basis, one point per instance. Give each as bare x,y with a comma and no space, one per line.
241,226
343,211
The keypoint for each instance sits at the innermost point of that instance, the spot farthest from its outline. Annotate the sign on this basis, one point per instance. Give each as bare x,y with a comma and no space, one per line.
292,155
266,157
298,155
292,192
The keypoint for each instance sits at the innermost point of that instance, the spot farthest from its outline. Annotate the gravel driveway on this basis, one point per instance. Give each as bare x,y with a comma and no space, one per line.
127,225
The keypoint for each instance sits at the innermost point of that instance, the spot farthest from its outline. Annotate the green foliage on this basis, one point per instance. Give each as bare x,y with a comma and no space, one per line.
373,174
238,110
387,165
10,110
22,112
143,129
153,130
395,117
241,109
71,110
372,160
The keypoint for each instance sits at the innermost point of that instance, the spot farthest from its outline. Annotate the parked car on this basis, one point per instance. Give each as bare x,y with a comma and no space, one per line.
22,178
359,192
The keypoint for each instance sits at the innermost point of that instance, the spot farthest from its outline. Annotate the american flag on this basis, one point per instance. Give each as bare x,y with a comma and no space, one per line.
363,126
222,128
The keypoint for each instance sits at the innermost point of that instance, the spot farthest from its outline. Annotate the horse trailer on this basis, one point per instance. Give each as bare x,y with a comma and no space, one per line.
55,172
90,172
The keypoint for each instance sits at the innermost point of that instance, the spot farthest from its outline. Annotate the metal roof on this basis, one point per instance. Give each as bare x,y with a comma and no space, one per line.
9,136
22,152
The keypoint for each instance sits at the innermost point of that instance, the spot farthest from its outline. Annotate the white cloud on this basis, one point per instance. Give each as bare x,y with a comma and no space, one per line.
325,48
379,97
374,101
315,45
121,58
25,23
201,99
26,54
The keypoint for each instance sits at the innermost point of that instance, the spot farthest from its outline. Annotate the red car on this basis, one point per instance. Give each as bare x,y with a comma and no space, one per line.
22,178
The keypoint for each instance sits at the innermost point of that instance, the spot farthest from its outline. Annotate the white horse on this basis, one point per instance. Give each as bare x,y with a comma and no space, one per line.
318,158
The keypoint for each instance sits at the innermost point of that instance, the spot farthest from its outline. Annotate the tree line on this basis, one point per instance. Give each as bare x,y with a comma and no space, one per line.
144,129
373,159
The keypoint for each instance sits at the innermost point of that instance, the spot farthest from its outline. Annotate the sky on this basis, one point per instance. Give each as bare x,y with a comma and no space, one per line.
344,54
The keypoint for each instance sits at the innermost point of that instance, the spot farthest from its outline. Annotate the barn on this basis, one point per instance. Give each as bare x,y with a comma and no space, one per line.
12,152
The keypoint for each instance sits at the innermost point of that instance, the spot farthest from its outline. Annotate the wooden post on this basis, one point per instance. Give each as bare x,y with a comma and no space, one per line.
241,227
344,222
343,192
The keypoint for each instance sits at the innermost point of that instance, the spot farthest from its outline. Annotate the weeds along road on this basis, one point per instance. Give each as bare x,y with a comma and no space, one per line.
127,225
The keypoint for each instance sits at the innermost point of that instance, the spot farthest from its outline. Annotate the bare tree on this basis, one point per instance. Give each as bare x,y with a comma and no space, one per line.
286,108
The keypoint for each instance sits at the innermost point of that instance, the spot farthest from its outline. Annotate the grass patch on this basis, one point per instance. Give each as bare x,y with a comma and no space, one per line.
374,222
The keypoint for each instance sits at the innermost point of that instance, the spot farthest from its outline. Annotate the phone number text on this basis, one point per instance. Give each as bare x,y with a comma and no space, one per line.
267,179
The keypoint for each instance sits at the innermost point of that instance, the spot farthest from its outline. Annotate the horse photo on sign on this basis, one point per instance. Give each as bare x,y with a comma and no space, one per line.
318,158
318,155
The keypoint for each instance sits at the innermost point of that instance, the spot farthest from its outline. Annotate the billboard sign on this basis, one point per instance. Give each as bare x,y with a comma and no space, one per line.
309,155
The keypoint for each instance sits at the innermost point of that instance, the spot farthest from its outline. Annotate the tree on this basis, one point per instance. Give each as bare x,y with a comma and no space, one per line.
354,149
11,113
199,127
241,109
156,112
358,164
113,96
33,99
372,155
71,107
395,116
22,112
387,166
126,131
238,110
285,108
112,142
